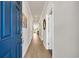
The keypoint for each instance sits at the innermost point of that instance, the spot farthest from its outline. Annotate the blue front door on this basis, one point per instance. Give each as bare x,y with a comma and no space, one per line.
10,29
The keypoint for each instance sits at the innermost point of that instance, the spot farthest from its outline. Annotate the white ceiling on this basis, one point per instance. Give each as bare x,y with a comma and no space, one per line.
36,8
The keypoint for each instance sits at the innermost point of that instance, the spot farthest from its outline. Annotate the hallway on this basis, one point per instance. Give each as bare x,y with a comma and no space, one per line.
36,49
37,36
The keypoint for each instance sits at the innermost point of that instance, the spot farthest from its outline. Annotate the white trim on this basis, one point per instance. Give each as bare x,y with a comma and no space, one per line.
29,10
44,9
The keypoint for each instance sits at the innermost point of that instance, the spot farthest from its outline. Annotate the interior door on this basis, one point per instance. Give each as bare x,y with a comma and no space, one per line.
10,29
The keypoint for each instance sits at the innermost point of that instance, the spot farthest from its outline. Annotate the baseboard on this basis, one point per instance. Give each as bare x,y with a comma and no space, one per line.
50,51
26,49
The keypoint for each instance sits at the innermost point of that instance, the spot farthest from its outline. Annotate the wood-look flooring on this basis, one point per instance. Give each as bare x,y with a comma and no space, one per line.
36,49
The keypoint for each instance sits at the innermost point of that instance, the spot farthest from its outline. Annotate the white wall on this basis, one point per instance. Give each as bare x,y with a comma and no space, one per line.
43,32
48,34
41,20
26,32
66,29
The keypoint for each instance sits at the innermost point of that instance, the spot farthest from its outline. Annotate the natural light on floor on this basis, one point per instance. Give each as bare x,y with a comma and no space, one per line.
35,37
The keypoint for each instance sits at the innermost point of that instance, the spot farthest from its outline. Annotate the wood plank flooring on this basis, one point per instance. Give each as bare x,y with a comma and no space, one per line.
36,49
